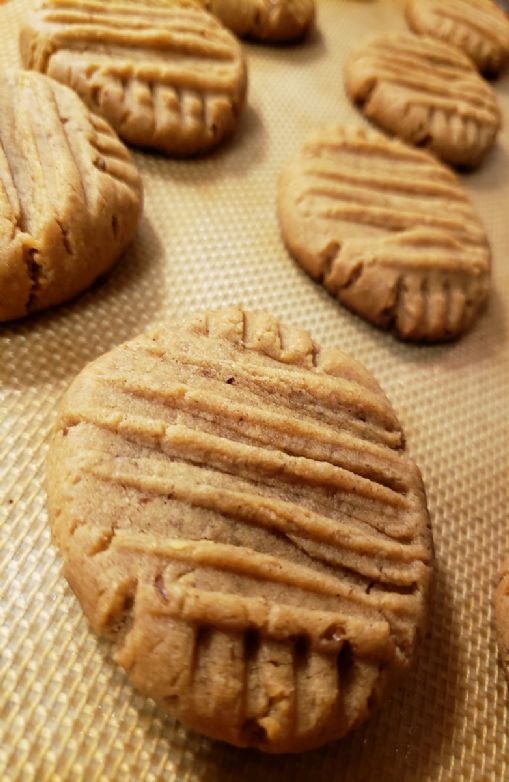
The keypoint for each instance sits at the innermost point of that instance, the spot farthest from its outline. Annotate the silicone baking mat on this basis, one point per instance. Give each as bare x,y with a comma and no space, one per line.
210,237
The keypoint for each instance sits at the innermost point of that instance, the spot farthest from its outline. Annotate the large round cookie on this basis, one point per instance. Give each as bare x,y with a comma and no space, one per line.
70,194
165,74
477,27
237,511
273,21
426,92
388,230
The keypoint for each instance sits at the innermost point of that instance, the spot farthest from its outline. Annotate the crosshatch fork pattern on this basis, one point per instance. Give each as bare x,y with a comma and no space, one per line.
210,237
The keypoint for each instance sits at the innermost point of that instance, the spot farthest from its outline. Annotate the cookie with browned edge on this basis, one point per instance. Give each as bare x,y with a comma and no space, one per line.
70,194
237,511
272,21
478,27
166,74
426,92
388,230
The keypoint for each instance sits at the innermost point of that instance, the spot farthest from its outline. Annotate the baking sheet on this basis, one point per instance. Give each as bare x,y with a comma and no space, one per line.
210,237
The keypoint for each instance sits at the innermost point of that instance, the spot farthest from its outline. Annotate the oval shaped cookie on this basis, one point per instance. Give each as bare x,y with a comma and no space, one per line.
273,21
427,93
477,27
166,75
237,511
70,194
388,230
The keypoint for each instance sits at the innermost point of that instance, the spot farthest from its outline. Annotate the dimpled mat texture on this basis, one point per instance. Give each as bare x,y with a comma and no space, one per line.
210,237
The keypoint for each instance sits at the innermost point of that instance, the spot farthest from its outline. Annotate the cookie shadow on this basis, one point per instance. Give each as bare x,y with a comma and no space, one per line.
501,83
53,346
478,346
491,174
303,51
410,736
250,134
234,158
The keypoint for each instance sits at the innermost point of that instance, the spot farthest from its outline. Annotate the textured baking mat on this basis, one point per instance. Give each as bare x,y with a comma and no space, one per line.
210,237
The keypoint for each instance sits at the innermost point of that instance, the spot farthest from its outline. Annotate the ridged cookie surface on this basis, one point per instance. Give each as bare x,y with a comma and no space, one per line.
388,230
266,20
477,27
70,194
166,74
426,92
237,511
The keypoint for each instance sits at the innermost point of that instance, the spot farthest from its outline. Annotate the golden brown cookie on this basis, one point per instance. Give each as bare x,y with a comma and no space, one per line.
388,230
237,511
502,617
70,194
477,27
426,92
273,21
166,74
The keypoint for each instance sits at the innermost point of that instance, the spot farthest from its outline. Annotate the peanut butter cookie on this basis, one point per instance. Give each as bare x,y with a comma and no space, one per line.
388,230
426,92
273,21
237,511
166,75
70,195
477,27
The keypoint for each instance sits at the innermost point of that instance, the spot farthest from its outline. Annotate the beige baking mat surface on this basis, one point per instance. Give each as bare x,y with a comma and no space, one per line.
210,237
